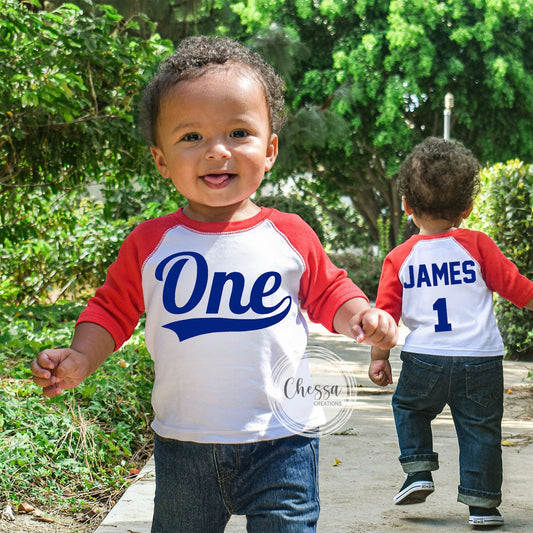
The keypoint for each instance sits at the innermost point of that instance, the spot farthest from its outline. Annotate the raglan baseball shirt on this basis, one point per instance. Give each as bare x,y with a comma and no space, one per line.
442,288
222,303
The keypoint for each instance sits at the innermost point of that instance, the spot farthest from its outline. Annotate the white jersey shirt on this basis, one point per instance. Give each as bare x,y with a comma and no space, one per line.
222,303
442,288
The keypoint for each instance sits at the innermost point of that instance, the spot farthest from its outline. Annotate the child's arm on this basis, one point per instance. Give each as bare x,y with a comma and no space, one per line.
355,318
380,371
65,368
529,305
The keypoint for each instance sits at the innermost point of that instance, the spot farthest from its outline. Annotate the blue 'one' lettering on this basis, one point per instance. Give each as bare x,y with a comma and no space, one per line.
172,278
215,296
267,284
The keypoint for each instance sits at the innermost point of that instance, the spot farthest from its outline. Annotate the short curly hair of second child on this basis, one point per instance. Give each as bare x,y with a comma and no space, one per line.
194,57
439,178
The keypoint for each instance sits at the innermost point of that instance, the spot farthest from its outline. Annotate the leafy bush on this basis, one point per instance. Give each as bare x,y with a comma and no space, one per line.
56,242
56,245
335,223
504,210
69,86
78,448
363,269
70,81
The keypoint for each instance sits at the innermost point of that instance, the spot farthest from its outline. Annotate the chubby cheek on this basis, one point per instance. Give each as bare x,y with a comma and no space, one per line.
255,163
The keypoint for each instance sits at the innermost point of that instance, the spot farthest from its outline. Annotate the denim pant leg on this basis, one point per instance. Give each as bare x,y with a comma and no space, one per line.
276,486
187,495
199,486
477,409
420,396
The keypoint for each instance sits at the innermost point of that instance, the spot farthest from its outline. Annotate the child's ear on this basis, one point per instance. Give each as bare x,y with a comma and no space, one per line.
160,161
272,152
406,207
466,212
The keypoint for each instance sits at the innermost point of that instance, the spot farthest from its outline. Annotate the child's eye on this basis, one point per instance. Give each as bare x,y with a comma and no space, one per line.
191,137
239,134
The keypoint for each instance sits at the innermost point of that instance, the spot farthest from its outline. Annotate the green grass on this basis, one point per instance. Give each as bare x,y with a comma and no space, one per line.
75,450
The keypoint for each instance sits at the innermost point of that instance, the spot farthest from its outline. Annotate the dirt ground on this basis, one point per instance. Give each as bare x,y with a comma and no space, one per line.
518,405
48,522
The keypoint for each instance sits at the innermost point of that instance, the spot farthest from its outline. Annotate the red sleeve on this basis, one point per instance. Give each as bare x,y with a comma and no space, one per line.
390,290
500,274
119,302
323,286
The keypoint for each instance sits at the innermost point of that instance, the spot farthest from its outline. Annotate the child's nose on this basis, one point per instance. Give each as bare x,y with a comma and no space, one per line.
218,149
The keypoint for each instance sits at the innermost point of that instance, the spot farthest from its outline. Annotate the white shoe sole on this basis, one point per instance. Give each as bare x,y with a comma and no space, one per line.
485,520
416,492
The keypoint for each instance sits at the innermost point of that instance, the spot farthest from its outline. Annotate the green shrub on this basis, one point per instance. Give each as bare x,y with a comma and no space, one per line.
60,245
56,243
504,210
77,449
363,269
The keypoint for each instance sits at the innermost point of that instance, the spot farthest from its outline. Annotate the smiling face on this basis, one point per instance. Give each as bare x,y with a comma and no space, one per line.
214,142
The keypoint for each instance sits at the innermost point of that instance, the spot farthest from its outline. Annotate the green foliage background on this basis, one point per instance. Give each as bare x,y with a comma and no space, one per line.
504,210
74,451
69,83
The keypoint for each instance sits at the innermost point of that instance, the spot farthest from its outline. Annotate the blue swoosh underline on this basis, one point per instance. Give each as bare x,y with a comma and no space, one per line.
193,327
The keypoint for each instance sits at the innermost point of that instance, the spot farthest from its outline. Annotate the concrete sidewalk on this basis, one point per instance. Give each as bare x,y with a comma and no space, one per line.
356,495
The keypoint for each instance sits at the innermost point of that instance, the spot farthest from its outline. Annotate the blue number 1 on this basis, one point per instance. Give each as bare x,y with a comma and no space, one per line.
442,315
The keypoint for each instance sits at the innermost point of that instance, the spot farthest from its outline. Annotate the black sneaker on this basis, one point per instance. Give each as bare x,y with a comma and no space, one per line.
480,516
417,487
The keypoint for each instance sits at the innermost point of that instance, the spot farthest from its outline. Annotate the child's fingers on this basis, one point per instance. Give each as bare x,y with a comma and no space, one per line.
370,330
72,366
49,368
42,367
359,333
381,377
380,329
45,361
371,323
387,376
71,370
52,391
376,377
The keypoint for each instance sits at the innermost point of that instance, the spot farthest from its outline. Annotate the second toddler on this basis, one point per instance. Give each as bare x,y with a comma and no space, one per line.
441,283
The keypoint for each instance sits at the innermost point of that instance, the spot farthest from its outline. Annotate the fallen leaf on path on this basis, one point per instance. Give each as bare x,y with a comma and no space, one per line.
507,443
25,507
337,462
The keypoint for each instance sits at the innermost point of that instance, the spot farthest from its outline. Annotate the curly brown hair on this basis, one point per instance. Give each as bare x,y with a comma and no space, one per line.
439,178
193,58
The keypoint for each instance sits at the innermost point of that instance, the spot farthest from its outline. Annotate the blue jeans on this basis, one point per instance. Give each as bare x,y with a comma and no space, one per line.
473,388
199,486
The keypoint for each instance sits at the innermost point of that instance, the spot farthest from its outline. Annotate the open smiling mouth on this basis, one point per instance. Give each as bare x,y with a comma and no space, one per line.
218,180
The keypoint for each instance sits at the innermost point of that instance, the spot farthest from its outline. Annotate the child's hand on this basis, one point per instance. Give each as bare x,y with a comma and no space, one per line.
56,370
375,327
380,372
